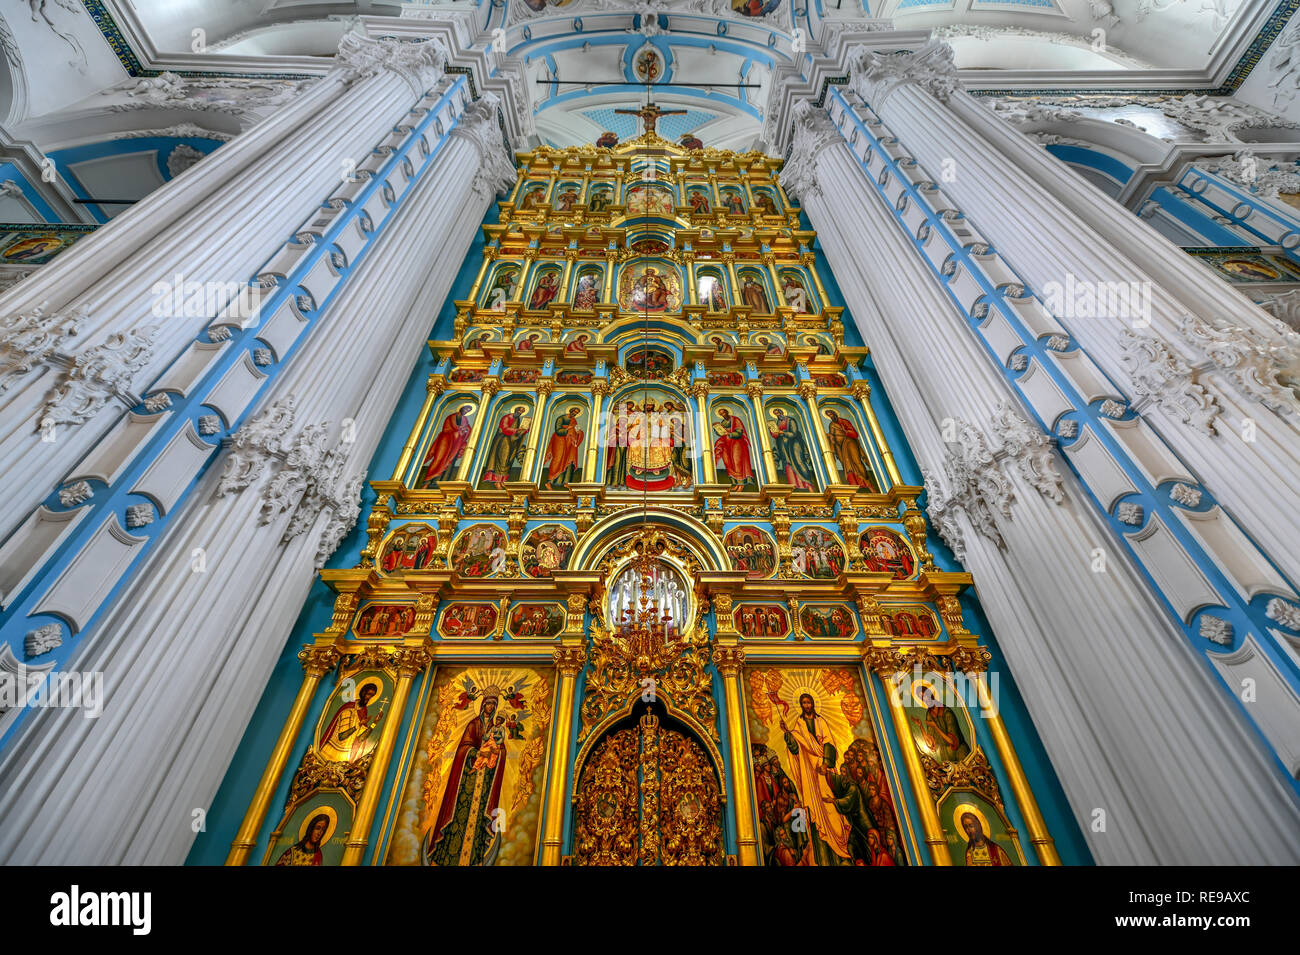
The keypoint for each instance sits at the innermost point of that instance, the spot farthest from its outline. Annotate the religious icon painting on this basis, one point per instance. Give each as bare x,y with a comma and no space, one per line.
648,64
479,551
828,621
408,547
777,379
911,622
507,442
885,551
848,446
754,8
817,553
650,287
467,375
545,550
650,199
712,290
32,249
501,286
384,620
821,345
532,195
314,832
461,621
454,423
938,718
588,287
529,339
600,195
733,446
762,621
649,444
752,550
753,292
473,794
566,196
650,364
732,200
766,201
796,292
978,833
521,376
562,460
539,620
725,379
814,749
831,380
791,445
772,343
569,376
352,721
697,197
723,344
546,287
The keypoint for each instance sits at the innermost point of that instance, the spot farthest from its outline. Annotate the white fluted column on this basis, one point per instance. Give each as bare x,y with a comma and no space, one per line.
214,226
1060,233
186,655
1133,722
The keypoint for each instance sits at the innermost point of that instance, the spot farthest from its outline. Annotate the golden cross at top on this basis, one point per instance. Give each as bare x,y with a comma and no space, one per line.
649,114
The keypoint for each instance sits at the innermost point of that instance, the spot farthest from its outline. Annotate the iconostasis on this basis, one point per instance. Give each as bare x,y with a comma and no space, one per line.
647,585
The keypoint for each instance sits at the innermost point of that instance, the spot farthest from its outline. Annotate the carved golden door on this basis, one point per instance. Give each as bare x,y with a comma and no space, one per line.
648,796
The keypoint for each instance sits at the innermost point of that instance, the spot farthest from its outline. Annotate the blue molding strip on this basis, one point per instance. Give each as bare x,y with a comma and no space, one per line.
109,503
1244,615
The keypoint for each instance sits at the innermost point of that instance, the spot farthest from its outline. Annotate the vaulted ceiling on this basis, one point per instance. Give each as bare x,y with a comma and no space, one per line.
586,59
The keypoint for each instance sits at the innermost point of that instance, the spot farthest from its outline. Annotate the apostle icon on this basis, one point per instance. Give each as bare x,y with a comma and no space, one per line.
731,451
566,200
754,296
699,202
600,198
796,296
316,831
443,459
507,449
690,142
502,290
545,291
722,348
766,204
534,198
846,446
347,737
562,453
527,342
794,465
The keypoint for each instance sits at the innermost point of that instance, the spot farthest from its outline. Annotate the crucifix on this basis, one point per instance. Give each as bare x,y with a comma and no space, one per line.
649,114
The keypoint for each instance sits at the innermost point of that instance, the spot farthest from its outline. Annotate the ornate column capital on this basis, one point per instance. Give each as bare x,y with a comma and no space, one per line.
318,661
480,125
728,660
420,64
411,661
874,76
569,660
813,132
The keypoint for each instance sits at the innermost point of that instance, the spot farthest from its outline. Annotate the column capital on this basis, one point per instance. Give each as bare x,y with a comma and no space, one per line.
874,76
318,661
813,132
570,660
728,659
420,64
479,124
